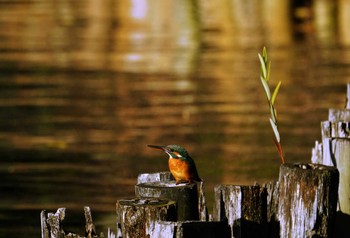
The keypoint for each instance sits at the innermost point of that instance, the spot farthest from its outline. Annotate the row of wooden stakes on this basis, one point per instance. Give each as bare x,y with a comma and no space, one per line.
304,202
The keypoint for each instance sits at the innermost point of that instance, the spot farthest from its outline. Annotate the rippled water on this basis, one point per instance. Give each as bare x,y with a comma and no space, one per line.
86,85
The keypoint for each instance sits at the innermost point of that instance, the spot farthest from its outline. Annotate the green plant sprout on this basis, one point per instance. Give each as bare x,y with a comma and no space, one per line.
265,76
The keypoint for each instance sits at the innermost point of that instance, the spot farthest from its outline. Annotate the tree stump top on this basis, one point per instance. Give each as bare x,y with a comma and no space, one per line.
166,184
309,166
154,177
336,114
145,202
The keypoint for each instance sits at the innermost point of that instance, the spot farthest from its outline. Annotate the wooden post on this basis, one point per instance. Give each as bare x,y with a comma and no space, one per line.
137,217
201,229
164,229
336,151
154,177
185,195
202,204
244,208
89,225
317,154
190,198
189,229
45,233
51,225
273,195
307,200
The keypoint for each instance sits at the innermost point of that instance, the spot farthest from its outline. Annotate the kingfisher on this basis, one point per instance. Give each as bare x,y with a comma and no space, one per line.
181,165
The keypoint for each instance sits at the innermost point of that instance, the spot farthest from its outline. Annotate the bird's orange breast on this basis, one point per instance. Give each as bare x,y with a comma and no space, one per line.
179,169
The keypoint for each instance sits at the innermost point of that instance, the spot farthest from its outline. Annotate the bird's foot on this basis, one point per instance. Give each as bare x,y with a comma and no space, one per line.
183,181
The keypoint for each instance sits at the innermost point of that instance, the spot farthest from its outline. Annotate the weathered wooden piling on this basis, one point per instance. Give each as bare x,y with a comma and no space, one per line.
89,225
137,217
51,225
190,198
244,208
190,229
154,177
302,203
272,189
307,200
202,204
336,151
185,195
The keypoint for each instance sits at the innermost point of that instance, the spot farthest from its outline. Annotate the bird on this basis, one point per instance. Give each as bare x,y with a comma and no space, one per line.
181,165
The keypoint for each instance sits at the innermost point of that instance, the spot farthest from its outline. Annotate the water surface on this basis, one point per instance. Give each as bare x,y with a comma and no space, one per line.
86,85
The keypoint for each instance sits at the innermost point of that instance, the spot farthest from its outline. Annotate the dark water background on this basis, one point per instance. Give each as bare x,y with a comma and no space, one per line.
86,85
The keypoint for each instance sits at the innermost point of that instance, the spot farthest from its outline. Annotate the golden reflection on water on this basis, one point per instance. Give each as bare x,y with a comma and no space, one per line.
86,85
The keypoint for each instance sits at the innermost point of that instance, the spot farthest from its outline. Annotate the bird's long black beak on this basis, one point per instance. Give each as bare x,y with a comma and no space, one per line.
158,147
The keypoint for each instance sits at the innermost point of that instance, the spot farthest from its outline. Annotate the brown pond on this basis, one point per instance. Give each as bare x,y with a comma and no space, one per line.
86,85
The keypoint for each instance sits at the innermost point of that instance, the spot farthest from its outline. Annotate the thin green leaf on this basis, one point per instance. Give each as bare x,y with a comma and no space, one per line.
274,109
263,66
275,131
268,71
275,93
264,53
266,88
